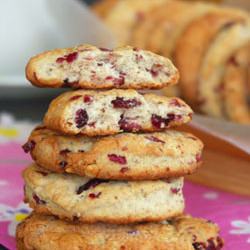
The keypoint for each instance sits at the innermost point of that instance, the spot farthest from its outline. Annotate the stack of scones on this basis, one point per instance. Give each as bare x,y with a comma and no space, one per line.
108,170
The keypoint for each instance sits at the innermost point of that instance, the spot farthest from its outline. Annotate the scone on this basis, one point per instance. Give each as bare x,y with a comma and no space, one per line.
110,112
43,232
90,67
195,41
234,90
94,200
213,67
124,156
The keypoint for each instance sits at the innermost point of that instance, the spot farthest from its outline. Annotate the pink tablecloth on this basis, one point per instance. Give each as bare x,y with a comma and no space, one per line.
231,212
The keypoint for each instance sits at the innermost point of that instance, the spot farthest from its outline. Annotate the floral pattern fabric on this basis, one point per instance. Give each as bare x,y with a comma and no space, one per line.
231,212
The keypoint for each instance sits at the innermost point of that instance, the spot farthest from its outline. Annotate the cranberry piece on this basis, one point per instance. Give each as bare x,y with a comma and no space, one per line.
155,69
60,60
119,102
68,84
172,117
93,195
75,97
117,159
198,157
38,200
90,184
220,243
133,232
127,125
64,151
154,139
232,60
199,246
81,118
117,81
88,98
28,146
68,58
109,78
105,49
158,121
211,244
124,169
71,57
175,190
138,58
63,164
92,124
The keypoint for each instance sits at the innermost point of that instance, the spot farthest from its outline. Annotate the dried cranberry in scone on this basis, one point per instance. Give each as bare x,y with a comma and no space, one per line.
109,112
87,66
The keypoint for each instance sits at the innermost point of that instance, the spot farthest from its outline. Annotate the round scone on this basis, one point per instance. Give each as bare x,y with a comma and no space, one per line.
110,112
43,232
124,156
86,66
235,90
91,200
195,41
212,69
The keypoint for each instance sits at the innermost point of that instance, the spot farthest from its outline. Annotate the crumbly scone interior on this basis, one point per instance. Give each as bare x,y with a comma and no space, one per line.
118,67
103,113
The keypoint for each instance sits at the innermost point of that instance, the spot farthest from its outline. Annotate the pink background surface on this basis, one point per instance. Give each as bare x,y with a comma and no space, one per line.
231,212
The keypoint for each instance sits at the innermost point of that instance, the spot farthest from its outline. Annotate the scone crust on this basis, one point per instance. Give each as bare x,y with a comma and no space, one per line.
43,232
142,156
44,70
106,119
89,200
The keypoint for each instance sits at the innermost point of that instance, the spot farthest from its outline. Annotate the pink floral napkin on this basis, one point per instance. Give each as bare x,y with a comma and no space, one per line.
231,212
